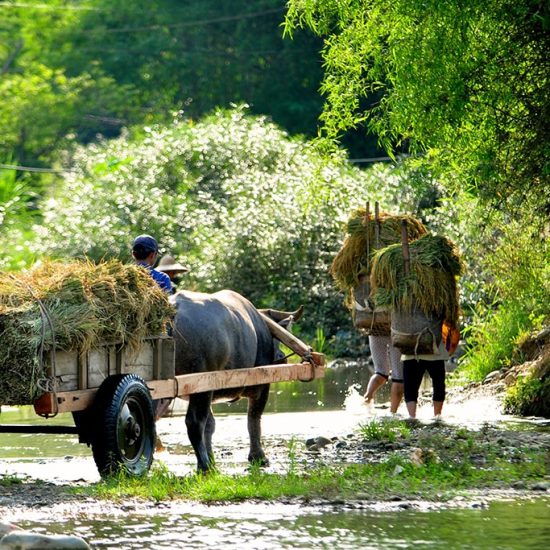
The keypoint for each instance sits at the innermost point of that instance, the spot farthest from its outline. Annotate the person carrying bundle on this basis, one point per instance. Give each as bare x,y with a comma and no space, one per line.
418,282
387,361
351,269
414,368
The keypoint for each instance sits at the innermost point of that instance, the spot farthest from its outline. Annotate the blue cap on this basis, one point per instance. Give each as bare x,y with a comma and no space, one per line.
146,242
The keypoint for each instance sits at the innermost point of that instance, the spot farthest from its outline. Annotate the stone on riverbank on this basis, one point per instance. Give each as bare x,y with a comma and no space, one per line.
13,538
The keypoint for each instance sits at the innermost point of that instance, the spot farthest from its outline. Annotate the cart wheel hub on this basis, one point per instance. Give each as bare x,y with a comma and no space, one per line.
133,430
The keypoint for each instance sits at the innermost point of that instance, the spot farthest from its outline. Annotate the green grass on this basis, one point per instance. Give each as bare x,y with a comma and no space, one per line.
388,429
447,465
9,480
529,396
494,340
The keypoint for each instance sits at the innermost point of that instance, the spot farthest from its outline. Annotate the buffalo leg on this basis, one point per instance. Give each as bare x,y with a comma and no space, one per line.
209,430
256,406
196,420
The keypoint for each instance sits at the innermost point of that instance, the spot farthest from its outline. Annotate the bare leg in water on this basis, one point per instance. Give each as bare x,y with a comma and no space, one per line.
413,373
396,396
438,407
396,393
411,408
386,359
376,381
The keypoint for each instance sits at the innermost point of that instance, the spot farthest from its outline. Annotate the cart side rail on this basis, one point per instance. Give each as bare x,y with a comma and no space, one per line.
186,384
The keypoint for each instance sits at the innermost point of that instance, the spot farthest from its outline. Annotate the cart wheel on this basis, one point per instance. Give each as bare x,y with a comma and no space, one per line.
124,434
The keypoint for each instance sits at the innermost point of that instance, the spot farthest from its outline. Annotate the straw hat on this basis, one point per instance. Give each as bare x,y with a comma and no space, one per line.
168,263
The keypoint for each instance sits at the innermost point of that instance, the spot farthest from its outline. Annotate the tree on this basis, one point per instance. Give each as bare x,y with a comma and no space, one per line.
465,84
124,63
41,107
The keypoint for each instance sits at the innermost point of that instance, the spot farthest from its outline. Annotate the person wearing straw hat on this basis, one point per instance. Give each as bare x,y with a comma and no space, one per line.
168,264
144,251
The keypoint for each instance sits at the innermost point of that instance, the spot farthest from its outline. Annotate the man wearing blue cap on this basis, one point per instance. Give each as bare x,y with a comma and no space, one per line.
144,250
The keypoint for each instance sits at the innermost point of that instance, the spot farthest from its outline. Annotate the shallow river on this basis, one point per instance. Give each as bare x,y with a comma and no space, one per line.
328,407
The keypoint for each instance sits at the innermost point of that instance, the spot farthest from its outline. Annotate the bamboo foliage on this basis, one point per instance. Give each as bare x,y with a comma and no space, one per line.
71,306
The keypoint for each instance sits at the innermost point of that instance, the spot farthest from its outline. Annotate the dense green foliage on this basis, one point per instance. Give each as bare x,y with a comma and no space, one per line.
514,260
530,396
465,83
464,87
247,207
72,70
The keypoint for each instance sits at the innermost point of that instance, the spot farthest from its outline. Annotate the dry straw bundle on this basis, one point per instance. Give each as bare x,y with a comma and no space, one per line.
71,306
364,237
430,286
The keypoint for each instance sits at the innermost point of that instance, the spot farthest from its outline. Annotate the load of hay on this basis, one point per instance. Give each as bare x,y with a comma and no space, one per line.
429,287
364,236
71,306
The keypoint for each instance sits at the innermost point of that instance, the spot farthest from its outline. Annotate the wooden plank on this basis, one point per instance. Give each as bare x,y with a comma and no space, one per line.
168,359
82,371
98,367
162,388
118,359
157,351
208,381
69,401
187,384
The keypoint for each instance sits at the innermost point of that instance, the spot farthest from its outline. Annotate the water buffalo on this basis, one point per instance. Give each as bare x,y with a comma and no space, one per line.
217,332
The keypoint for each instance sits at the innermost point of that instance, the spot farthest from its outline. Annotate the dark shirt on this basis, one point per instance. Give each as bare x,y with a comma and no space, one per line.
160,278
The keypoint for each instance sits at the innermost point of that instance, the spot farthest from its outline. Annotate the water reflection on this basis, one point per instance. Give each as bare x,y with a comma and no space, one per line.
328,393
272,526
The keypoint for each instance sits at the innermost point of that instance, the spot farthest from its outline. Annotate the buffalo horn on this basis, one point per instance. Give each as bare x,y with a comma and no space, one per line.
277,315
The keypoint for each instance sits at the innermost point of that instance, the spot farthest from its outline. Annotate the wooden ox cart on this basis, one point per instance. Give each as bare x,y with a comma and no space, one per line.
112,393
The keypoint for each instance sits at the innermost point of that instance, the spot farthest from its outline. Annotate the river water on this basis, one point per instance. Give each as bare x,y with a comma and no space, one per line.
330,407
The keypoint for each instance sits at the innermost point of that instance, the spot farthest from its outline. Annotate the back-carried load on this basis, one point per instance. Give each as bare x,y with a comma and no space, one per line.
417,282
366,234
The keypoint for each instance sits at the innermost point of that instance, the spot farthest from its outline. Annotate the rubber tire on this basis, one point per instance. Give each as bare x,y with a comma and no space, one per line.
124,431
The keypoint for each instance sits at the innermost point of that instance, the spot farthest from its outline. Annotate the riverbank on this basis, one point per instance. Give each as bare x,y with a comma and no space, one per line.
386,463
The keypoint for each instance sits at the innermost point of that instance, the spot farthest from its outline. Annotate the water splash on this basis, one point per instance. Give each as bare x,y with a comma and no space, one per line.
354,402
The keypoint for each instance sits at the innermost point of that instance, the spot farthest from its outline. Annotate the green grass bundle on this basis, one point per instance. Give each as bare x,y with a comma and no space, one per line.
71,306
354,257
431,284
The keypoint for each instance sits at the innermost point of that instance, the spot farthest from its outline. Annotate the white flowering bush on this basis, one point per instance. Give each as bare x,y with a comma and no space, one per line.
244,205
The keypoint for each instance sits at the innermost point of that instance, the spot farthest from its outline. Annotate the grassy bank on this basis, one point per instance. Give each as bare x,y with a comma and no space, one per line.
426,462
